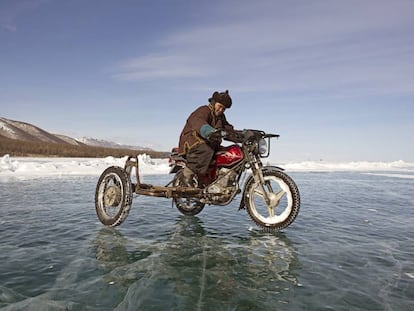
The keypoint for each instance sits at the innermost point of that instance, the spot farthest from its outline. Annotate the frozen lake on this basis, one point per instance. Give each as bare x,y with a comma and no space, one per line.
350,248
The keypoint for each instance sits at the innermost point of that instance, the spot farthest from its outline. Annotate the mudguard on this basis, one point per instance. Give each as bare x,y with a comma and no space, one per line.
249,180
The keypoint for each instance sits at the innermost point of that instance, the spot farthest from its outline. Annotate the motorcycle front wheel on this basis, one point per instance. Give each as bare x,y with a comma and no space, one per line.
113,196
187,206
275,204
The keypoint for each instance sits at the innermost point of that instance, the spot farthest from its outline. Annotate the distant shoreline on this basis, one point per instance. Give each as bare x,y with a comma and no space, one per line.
20,148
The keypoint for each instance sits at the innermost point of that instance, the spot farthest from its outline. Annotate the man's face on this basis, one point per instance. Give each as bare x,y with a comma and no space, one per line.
219,109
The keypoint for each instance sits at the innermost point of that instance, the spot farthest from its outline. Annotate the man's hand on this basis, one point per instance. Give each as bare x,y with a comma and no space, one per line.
215,137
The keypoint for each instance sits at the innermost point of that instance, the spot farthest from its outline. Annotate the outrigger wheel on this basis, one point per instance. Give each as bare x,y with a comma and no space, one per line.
113,196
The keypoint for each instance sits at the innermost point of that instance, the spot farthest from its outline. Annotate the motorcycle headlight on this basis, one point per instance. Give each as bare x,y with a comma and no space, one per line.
262,146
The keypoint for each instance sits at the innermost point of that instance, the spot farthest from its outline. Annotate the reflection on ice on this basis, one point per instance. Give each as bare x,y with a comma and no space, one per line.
194,268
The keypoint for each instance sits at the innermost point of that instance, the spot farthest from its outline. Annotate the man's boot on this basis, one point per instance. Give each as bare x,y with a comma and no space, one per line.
188,177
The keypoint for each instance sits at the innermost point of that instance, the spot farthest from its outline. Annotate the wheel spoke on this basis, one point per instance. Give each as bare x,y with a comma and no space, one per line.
262,194
278,196
274,202
271,211
259,192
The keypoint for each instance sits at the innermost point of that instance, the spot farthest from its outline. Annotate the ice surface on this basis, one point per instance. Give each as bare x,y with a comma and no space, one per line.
350,248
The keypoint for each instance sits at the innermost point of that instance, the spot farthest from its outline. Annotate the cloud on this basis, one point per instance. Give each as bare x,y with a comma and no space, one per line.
10,11
153,66
280,46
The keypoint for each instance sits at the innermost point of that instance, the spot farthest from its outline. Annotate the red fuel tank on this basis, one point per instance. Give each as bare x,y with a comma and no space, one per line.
229,156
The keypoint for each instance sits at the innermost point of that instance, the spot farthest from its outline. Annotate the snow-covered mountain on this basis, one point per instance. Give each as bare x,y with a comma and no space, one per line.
28,132
109,144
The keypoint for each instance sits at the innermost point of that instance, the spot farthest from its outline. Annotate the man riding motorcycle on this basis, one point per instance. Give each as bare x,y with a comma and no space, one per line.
210,174
202,133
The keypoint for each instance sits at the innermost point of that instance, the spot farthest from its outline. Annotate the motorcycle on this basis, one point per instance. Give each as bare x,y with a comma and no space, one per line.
269,195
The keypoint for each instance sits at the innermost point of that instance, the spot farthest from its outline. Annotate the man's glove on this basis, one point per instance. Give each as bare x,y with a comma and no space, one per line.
215,137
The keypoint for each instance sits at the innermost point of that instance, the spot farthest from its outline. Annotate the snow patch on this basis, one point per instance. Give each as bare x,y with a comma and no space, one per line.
23,168
349,166
5,127
26,168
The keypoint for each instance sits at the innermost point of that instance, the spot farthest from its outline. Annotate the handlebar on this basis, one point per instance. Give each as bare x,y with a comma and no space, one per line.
261,133
271,135
247,134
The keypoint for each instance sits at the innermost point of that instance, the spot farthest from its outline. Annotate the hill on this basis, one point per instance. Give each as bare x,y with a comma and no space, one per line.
27,132
19,138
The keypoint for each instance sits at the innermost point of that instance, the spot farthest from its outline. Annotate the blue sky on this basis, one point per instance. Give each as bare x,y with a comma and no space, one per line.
334,78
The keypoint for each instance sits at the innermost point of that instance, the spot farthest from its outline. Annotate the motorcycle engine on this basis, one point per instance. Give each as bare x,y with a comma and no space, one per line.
224,186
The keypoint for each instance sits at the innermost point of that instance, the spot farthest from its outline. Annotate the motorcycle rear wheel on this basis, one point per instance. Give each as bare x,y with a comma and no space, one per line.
187,206
113,196
284,200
